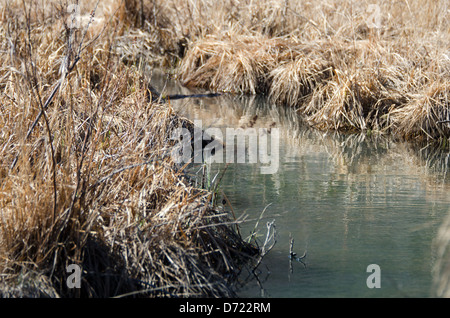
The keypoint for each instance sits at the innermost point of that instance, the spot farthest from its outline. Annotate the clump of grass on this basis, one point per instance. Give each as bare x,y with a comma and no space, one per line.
356,101
93,182
293,80
239,64
425,116
336,105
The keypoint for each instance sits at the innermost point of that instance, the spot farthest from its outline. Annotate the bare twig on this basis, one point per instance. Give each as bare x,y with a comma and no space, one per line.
257,222
268,244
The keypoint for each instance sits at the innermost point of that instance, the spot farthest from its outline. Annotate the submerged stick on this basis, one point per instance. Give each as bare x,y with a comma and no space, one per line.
293,255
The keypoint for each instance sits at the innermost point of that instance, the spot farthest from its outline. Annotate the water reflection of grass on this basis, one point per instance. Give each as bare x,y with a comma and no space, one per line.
354,179
351,154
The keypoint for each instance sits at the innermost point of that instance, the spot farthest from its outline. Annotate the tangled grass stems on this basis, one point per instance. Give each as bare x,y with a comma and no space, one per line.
123,210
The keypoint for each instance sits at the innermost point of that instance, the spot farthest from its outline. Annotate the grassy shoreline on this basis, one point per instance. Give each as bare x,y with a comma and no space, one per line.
377,66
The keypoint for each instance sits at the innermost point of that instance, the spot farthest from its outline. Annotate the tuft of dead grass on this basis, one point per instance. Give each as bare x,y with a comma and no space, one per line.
426,114
245,61
295,78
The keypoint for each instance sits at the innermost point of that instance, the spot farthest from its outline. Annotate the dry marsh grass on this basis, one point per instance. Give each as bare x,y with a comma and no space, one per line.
93,182
346,65
246,60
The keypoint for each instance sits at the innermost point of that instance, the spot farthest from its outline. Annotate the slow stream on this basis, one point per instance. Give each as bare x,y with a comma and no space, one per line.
348,201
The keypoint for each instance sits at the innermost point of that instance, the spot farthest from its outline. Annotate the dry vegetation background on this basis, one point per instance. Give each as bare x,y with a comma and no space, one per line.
328,59
92,182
